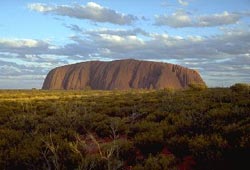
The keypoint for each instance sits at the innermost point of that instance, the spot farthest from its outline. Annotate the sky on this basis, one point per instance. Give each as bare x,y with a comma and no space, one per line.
212,36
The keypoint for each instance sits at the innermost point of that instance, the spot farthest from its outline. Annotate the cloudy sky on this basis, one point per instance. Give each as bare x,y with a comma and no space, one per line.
210,36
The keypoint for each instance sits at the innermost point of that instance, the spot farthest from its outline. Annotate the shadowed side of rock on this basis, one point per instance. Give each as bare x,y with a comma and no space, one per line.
122,75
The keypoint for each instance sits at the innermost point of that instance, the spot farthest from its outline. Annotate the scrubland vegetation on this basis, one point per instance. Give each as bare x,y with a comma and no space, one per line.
195,129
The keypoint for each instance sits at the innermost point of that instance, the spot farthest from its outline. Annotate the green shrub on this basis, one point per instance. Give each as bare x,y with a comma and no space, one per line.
240,87
197,86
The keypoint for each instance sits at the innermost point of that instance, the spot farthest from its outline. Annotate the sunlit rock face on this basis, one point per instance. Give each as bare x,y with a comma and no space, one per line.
121,75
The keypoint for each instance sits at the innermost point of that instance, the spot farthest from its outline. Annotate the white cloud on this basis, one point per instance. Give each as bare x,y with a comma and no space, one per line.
39,7
177,19
120,32
112,38
184,3
19,43
183,19
224,18
91,11
94,5
121,40
24,46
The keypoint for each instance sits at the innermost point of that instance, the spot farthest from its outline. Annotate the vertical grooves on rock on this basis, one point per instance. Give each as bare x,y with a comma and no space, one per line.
134,75
114,77
66,81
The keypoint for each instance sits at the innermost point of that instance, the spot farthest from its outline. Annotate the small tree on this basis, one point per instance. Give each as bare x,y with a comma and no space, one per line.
240,87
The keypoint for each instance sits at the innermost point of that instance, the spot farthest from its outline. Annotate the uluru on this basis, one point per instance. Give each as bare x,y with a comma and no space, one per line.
122,75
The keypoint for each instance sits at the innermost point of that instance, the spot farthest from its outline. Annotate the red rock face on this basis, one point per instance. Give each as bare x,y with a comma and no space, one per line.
122,75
